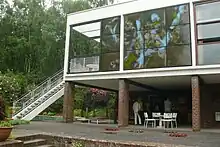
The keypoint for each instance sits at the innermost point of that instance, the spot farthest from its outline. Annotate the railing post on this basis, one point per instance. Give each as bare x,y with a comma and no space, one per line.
13,108
23,105
48,84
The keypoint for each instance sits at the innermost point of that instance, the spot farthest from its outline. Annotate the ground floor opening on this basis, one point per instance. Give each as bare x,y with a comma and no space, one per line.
180,100
195,99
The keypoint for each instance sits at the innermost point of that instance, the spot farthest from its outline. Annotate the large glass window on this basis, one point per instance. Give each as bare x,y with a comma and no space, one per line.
95,46
157,38
110,44
85,48
208,23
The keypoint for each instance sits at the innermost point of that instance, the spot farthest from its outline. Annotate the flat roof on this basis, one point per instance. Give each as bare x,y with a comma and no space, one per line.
96,14
120,9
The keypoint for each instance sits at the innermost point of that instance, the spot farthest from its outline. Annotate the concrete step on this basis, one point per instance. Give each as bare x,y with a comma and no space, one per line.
34,142
47,145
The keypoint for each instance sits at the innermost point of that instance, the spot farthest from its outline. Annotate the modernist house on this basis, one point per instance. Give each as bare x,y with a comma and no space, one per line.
149,50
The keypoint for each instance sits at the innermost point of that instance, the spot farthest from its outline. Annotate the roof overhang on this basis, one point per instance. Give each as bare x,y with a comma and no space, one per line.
120,9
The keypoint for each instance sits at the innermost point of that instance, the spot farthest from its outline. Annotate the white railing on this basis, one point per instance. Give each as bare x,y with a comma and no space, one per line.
39,91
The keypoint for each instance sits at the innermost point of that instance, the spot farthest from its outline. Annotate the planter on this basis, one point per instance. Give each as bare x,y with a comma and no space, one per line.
5,133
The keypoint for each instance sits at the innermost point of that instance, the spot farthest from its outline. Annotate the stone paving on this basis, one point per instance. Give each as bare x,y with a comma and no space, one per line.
93,131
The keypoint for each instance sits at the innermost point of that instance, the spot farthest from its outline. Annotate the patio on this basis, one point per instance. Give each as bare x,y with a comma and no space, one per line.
205,138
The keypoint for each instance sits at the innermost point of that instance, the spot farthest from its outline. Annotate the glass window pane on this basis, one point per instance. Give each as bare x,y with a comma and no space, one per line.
131,58
145,20
209,54
147,58
86,64
82,41
111,26
95,46
179,35
145,30
179,55
209,31
208,11
110,43
155,57
177,15
110,61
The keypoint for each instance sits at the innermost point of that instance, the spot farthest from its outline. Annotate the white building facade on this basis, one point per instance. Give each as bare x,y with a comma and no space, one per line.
162,45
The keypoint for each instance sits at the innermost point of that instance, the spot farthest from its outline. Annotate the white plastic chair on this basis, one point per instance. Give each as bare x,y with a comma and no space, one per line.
147,119
156,116
174,118
167,117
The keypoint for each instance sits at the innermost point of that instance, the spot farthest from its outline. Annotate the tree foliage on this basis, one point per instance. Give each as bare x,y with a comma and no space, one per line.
32,38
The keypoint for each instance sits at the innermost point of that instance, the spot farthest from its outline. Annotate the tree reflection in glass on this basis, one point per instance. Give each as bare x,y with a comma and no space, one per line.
147,35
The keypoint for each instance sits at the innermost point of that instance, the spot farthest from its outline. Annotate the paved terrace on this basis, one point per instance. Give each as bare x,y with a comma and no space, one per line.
206,138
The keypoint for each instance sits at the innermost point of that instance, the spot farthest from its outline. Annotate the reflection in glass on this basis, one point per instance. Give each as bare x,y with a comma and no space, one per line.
110,61
109,45
110,40
179,55
208,11
111,27
80,45
180,35
208,31
209,54
147,36
177,15
84,64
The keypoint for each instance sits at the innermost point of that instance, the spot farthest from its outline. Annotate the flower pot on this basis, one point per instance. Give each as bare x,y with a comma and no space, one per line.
5,133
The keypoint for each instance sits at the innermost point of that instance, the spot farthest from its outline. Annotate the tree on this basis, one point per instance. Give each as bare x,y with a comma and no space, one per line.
32,39
99,3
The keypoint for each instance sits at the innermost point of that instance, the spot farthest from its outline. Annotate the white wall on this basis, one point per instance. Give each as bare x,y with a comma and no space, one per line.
120,9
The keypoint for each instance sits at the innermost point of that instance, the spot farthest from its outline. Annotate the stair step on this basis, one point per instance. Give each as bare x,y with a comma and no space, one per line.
35,142
47,145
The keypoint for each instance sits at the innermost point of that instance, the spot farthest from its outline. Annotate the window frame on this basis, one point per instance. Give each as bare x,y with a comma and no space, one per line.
204,41
101,53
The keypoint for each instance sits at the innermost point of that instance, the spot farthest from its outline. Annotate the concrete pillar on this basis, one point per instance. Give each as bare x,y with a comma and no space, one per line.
196,116
123,103
68,102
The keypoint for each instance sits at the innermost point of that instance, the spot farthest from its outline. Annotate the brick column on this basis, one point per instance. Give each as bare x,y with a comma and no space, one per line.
123,103
196,117
68,102
116,110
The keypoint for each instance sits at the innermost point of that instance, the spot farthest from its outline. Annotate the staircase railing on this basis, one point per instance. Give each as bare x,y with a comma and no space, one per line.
39,91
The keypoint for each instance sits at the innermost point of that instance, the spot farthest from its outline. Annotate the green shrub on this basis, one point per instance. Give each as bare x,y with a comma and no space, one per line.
51,113
19,122
77,112
78,144
5,124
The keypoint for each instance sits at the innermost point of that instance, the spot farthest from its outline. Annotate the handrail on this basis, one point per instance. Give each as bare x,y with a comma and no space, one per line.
37,92
39,85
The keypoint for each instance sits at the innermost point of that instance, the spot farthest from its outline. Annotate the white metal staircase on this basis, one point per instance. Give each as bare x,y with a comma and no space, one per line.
34,102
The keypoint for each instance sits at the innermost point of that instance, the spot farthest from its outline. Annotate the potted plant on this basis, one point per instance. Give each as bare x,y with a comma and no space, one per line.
5,130
5,125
